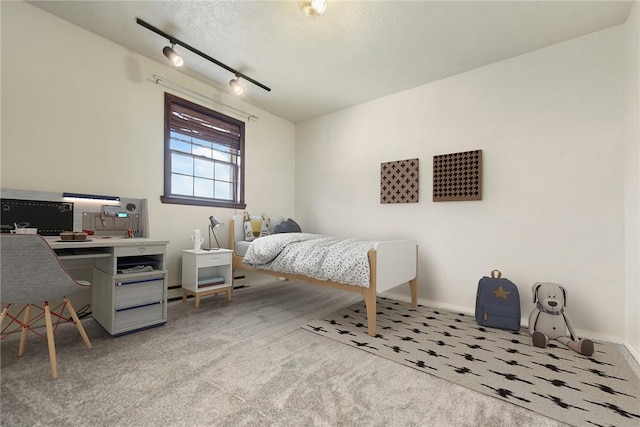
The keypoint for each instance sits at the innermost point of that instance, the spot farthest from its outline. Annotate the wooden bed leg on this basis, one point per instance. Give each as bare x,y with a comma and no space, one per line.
370,302
413,284
414,291
370,294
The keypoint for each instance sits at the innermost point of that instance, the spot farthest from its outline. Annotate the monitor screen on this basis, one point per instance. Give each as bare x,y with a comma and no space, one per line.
50,218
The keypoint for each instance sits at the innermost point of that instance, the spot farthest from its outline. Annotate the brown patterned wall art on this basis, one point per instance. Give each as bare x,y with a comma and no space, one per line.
399,181
457,176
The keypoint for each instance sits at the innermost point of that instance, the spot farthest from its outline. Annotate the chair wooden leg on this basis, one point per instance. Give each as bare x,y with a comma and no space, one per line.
25,329
50,340
4,314
74,316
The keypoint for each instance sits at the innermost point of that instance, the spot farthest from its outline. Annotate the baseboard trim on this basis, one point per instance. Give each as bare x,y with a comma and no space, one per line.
634,352
524,321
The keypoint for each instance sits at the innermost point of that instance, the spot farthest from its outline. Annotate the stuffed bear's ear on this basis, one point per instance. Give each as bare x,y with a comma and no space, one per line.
534,289
564,294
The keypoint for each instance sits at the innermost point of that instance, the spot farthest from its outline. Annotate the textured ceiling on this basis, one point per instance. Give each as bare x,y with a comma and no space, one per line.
357,51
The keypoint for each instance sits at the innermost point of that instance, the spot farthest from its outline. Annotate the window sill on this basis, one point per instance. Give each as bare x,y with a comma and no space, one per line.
201,202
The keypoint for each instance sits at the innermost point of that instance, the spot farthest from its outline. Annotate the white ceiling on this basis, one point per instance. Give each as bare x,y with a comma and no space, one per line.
357,51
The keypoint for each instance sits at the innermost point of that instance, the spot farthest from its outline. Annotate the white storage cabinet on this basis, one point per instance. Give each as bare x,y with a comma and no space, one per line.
124,302
206,273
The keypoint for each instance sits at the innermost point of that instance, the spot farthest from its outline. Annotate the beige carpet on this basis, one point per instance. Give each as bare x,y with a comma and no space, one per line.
246,362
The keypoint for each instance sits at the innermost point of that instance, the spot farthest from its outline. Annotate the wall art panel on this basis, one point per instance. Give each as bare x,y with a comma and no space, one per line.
457,176
399,181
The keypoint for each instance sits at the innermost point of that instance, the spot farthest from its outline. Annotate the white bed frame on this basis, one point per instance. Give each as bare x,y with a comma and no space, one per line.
392,263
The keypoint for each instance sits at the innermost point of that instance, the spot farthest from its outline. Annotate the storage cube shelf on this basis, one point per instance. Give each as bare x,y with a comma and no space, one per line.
208,282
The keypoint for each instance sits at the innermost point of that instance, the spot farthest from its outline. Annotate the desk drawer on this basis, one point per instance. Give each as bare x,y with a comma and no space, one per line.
213,259
139,250
138,316
133,292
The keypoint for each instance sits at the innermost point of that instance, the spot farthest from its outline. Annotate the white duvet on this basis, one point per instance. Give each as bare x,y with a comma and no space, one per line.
313,255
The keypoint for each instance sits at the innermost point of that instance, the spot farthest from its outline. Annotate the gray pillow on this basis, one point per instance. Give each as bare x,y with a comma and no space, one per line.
288,226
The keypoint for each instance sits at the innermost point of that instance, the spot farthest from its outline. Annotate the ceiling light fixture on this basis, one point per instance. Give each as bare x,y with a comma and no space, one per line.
235,85
313,7
172,55
175,41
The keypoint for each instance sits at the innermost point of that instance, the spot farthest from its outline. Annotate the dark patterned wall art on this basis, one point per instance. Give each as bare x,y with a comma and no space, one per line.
457,176
399,181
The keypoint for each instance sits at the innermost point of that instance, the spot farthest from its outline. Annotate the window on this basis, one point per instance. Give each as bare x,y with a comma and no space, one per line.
203,156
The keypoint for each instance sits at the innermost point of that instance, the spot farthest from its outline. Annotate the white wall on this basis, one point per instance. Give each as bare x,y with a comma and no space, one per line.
632,183
549,124
79,114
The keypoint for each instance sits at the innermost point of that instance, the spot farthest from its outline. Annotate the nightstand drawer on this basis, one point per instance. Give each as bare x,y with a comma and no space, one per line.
213,259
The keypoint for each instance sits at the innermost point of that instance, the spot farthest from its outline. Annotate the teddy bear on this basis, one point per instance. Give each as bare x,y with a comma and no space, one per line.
549,320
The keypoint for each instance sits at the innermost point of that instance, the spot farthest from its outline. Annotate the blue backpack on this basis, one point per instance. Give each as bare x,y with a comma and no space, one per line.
498,303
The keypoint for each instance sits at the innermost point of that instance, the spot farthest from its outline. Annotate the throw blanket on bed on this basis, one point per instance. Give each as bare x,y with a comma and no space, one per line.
313,255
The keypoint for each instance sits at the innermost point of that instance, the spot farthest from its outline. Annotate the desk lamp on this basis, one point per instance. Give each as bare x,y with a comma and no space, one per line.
214,224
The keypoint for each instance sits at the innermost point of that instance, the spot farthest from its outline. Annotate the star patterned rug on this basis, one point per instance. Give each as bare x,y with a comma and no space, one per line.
601,390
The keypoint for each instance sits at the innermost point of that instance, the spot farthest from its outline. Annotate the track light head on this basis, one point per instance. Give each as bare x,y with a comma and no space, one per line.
313,7
173,56
235,85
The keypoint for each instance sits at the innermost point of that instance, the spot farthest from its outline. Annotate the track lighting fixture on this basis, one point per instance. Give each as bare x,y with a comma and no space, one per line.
172,55
178,61
313,7
235,85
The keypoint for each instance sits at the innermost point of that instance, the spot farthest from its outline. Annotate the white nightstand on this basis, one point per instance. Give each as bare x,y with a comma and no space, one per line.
206,273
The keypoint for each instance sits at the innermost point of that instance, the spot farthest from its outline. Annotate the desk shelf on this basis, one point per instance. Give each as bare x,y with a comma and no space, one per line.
83,255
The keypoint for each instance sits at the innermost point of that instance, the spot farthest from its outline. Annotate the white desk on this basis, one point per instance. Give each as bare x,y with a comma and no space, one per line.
122,302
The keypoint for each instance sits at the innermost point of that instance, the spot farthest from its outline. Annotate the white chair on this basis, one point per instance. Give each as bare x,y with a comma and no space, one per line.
31,276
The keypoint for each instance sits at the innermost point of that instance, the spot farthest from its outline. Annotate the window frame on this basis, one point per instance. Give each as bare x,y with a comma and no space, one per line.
238,187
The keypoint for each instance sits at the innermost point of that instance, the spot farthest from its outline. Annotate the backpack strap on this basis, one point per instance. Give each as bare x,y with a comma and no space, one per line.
495,274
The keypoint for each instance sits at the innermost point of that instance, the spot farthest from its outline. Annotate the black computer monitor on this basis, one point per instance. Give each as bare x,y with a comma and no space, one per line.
50,218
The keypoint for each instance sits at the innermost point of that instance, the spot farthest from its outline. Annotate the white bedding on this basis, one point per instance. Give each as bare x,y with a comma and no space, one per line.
313,255
241,247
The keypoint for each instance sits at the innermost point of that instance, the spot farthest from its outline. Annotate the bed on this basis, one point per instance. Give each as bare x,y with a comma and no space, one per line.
390,264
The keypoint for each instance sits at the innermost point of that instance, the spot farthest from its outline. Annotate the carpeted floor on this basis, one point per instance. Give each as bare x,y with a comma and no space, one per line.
246,362
600,390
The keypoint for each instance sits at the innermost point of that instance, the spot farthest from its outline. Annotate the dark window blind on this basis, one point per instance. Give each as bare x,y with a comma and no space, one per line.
199,125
